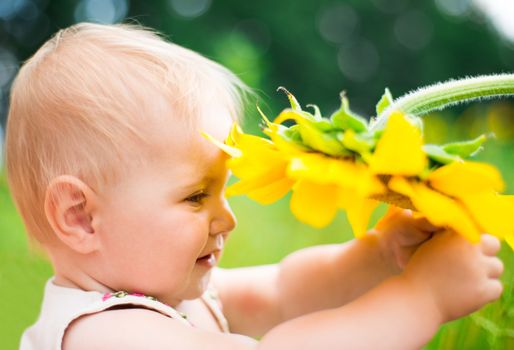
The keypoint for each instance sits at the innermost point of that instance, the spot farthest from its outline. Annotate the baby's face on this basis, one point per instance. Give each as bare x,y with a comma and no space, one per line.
165,223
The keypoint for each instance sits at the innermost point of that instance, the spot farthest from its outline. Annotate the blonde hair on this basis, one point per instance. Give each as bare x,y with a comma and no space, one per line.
78,107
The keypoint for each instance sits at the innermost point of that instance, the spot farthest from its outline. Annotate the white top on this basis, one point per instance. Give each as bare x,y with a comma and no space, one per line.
62,305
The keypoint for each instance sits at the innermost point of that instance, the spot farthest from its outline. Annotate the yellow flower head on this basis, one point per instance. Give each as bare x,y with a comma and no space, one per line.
340,163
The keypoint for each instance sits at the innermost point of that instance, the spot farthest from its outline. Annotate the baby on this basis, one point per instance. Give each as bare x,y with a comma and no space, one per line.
114,181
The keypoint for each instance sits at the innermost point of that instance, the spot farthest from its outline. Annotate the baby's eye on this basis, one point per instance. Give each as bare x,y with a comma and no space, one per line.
198,197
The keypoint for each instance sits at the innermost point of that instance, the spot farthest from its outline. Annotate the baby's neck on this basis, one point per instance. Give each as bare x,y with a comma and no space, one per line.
69,272
83,282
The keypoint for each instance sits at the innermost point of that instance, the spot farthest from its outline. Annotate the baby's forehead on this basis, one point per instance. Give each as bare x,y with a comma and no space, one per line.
183,127
181,143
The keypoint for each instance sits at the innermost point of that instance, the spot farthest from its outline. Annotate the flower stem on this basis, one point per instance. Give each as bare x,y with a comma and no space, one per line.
442,95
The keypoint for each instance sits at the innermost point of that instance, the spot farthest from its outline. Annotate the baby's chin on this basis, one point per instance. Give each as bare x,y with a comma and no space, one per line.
196,286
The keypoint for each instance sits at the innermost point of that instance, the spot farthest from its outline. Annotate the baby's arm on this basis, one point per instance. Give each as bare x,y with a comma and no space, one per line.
257,298
446,279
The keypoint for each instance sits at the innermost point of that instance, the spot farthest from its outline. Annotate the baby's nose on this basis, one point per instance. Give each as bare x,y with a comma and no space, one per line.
224,222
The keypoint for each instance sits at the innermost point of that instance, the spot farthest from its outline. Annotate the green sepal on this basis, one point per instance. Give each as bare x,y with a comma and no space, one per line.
345,119
325,142
317,112
323,125
437,154
291,135
295,105
362,143
465,149
385,101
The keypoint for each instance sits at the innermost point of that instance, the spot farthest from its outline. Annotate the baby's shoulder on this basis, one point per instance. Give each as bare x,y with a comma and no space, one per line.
138,328
133,328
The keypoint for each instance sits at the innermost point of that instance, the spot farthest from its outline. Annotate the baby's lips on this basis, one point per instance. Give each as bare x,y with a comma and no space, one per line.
214,252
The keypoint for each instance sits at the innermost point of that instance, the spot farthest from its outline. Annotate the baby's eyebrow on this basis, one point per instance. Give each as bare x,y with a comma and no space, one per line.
197,182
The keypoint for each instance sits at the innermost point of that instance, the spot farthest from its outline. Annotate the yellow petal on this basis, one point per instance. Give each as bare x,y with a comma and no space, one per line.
230,150
272,192
263,193
510,241
260,167
314,204
456,179
258,157
235,130
492,212
288,114
358,210
325,170
250,142
310,166
399,150
249,184
438,209
357,177
402,186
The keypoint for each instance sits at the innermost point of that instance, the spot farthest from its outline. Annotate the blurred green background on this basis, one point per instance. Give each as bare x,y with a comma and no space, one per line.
315,49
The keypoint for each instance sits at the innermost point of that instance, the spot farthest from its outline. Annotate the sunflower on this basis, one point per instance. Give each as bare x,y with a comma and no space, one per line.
341,162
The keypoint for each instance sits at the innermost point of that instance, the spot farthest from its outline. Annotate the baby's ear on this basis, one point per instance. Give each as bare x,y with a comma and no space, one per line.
69,207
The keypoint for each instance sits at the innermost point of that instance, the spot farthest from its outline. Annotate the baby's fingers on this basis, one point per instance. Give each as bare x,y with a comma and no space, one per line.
490,245
493,290
423,224
494,267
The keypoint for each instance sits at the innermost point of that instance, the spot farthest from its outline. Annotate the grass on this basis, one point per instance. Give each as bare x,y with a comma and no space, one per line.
264,235
22,275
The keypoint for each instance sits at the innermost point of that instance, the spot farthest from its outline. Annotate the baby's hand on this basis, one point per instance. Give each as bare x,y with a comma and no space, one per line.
400,234
459,277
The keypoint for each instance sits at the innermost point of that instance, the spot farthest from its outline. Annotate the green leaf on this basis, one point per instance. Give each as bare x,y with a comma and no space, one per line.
292,100
385,101
439,155
345,119
465,148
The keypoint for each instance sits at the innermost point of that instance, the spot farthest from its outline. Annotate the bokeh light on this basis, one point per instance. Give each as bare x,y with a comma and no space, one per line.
359,61
190,8
8,67
101,11
9,8
338,23
413,29
454,7
391,6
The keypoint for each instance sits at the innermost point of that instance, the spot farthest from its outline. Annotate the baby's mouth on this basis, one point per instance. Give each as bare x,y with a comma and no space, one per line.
208,260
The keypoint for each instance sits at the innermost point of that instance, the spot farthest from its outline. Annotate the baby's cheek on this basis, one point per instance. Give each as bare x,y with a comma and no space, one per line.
199,231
